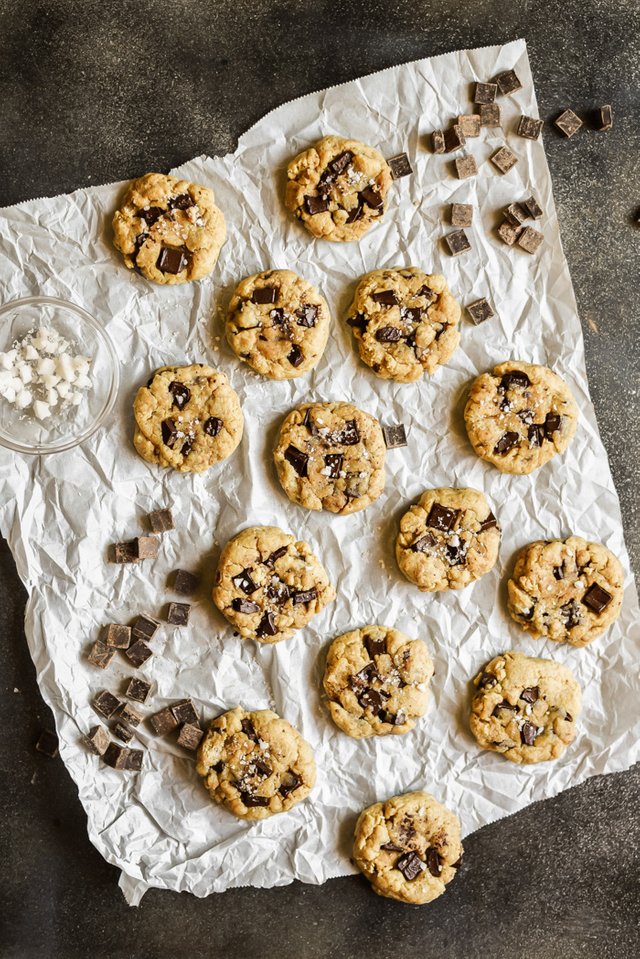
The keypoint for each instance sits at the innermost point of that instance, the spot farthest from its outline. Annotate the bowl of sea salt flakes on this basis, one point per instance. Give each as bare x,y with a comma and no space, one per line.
58,375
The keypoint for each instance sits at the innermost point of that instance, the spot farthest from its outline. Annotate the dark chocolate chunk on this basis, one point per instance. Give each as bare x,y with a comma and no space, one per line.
479,311
530,239
144,627
505,704
106,704
212,426
133,759
373,699
515,378
295,355
146,547
410,865
391,847
355,213
163,722
160,521
454,138
115,756
267,625
97,740
125,552
506,442
101,655
386,298
571,614
307,315
558,572
187,446
423,544
529,127
536,434
185,712
412,314
533,208
487,680
169,432
504,159
244,606
397,719
151,215
181,202
178,614
173,260
333,462
185,582
442,518
531,694
249,799
371,197
485,92
278,592
244,582
122,731
508,233
375,647
359,681
399,166
456,555
304,596
138,653
265,294
527,614
139,689
47,743
438,142
508,82
605,117
130,716
528,733
117,636
277,553
181,394
297,459
457,242
263,769
278,318
568,123
394,436
596,598
249,730
348,435
552,424
340,163
389,334
488,523
289,784
433,861
358,322
190,736
316,204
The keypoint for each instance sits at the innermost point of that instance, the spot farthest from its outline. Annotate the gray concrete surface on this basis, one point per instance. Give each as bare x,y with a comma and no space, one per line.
99,90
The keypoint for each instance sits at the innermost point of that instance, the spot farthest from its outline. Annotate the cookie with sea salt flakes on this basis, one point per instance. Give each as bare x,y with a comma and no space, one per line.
255,763
168,229
448,539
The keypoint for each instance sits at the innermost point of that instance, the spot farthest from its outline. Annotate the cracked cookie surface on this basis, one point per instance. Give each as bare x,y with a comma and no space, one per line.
408,847
525,708
268,585
255,763
168,229
187,418
376,680
568,590
405,322
338,188
278,324
519,416
448,539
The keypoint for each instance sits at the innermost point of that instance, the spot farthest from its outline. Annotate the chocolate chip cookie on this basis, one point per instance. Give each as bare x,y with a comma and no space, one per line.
519,416
448,540
331,456
187,417
405,322
255,763
278,323
408,847
168,229
268,585
338,188
568,590
376,681
525,708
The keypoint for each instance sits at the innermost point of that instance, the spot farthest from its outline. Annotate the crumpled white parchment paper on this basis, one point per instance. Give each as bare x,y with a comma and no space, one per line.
59,513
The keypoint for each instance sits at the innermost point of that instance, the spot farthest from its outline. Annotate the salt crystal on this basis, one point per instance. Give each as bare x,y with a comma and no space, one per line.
8,359
45,365
30,353
23,399
52,397
25,372
41,410
63,388
64,368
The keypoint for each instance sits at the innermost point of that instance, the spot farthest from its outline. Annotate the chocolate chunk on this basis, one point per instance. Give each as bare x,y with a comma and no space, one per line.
605,116
515,378
397,719
146,547
423,544
297,459
394,436
181,202
530,239
190,736
47,743
160,521
487,680
536,435
101,655
278,592
151,215
244,582
348,435
515,214
265,294
506,442
124,552
532,207
438,141
178,614
531,694
527,614
130,716
528,733
138,653
386,297
249,730
212,426
466,166
433,861
489,523
133,759
359,681
290,783
399,166
490,115
106,704
558,572
304,596
485,92
122,731
454,138
181,394
355,212
375,647
333,462
479,311
456,555
568,123
461,214
410,865
267,625
358,322
263,769
173,260
470,124
371,197
505,704
277,554
187,446
169,432
184,582
508,233
552,423
571,614
249,799
504,159
307,315
442,518
139,689
163,722
144,627
115,756
508,82
391,847
389,334
185,712
372,699
295,355
117,636
337,166
529,127
316,204
596,598
457,242
244,606
97,740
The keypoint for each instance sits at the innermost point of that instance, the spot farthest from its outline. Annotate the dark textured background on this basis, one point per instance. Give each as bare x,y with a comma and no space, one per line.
99,90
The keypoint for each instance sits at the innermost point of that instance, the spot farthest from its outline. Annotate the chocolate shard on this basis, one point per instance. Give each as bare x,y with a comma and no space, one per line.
160,520
277,554
528,733
442,518
568,123
117,636
423,544
461,214
267,625
138,653
304,596
181,202
169,431
245,606
530,127
144,627
375,647
359,681
391,847
533,208
250,799
348,435
265,294
552,424
178,614
181,394
47,743
487,680
212,426
163,722
358,322
97,740
394,436
558,572
507,82
530,239
307,315
185,712
295,355
172,260
106,704
389,334
278,592
371,197
244,582
596,598
386,298
139,690
297,459
373,699
489,523
515,378
504,159
479,311
506,442
433,861
505,704
457,242
333,463
263,769
189,736
485,92
101,655
130,716
316,204
355,213
187,446
456,555
151,215
454,138
399,166
290,782
531,694
410,865
536,435
184,582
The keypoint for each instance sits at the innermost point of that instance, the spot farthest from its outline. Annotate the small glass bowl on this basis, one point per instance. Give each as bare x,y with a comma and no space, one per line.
19,429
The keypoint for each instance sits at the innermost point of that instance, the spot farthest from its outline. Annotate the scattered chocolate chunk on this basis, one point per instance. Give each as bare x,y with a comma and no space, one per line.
391,847
295,355
267,625
488,523
184,582
529,127
130,716
596,598
138,690
552,423
262,768
530,239
190,736
372,699
505,704
122,732
307,315
479,311
245,606
297,459
101,655
360,681
410,865
169,431
515,378
568,123
454,138
277,554
371,197
185,712
528,733
181,202
160,521
138,653
487,680
97,740
163,722
348,435
490,115
442,518
485,92
389,334
173,260
355,212
181,394
314,205
106,704
438,141
508,82
289,784
456,555
117,636
466,166
337,166
303,596
394,436
531,694
399,166
249,799
386,297
151,215
47,743
265,294
571,614
178,614
125,552
244,582
187,446
506,442
461,214
558,572
423,544
605,117
212,426
249,730
333,462
515,214
375,647
358,322
146,547
278,592
144,627
115,756
508,233
470,124
433,861
457,242
536,435
504,159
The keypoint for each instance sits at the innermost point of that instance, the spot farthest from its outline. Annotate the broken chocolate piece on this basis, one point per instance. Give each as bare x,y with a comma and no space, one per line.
508,233
333,462
347,436
290,784
505,704
529,127
488,523
355,212
605,116
181,394
133,759
185,582
295,355
399,166
117,636
371,197
596,598
487,680
164,721
568,123
115,756
244,606
190,736
394,436
101,655
265,294
181,202
372,699
532,207
278,592
315,204
173,261
138,653
146,547
185,712
552,423
515,215
187,446
139,689
358,322
160,520
389,334
454,138
391,847
304,596
536,435
212,426
456,555
249,730
515,378
571,614
375,647
504,159
178,614
457,242
466,166
97,740
423,544
307,315
490,115
410,865
438,141
263,769
528,733
508,82
558,572
386,297
470,124
244,582
485,92
125,552
47,743
106,704
267,625
151,215
461,214
122,731
277,554
442,518
297,459
249,799
169,431
433,861
479,311
530,239
506,442
531,694
144,627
